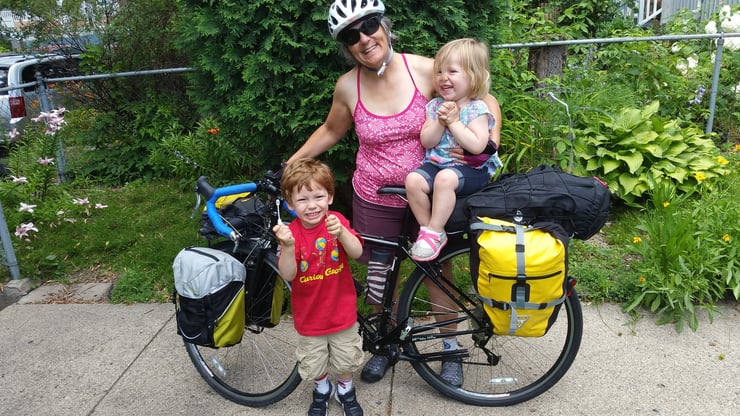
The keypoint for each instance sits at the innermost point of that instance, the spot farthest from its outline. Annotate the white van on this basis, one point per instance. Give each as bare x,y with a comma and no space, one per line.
17,104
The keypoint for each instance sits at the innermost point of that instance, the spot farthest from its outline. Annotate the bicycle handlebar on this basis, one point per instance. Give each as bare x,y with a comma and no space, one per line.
202,187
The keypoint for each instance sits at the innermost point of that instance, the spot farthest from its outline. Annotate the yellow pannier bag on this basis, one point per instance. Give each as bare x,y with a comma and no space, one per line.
519,273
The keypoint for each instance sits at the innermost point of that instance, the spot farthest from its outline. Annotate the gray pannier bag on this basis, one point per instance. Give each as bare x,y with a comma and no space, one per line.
209,297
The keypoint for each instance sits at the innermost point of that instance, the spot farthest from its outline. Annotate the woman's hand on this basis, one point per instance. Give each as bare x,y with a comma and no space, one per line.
459,154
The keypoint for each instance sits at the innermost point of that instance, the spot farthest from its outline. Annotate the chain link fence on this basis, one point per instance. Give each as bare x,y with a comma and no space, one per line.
718,37
21,102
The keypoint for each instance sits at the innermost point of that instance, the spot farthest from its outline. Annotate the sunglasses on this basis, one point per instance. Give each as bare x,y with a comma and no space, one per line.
350,36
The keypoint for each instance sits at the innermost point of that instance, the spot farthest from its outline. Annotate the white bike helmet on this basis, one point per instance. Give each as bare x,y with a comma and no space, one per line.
343,13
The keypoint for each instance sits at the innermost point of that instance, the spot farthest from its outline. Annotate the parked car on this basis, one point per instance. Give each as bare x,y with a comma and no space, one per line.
17,104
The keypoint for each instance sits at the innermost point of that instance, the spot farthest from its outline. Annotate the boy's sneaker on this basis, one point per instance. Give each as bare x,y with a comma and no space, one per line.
320,404
428,245
349,403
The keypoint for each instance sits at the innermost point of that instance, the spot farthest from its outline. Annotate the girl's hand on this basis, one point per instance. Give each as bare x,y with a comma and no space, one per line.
333,226
448,112
283,233
454,114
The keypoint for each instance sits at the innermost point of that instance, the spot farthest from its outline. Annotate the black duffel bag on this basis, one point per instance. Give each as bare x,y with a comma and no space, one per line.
546,193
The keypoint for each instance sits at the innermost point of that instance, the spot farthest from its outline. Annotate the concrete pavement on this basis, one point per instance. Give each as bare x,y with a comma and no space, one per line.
104,359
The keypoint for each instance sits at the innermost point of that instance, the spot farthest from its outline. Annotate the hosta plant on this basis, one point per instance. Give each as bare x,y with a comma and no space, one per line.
637,149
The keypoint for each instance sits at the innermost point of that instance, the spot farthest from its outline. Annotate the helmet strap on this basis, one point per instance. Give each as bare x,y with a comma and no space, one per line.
380,71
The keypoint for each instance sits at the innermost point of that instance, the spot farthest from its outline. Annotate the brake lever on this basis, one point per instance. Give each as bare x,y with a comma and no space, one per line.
277,206
197,205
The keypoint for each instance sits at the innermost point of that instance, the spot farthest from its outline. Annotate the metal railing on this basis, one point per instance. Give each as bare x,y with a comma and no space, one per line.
665,11
47,105
717,60
702,9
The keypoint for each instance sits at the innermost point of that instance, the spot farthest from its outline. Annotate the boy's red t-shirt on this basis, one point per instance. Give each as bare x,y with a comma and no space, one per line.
323,293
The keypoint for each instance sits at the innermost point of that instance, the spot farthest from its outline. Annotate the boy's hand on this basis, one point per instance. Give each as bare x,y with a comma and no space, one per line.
283,233
333,226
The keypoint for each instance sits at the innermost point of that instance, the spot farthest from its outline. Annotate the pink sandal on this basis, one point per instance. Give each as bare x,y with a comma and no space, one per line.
428,245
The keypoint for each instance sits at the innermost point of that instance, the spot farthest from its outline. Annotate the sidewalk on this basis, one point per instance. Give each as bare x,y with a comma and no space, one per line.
103,359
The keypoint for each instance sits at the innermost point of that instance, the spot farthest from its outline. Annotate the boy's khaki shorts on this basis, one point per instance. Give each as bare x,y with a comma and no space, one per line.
341,351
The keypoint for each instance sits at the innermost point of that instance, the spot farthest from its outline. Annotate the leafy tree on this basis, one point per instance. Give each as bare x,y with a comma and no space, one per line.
554,20
53,26
548,20
132,113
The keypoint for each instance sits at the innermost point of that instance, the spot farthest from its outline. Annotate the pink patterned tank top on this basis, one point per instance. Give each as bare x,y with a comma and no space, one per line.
390,147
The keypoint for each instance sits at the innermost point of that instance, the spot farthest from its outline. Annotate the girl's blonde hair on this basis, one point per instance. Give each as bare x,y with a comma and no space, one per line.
473,57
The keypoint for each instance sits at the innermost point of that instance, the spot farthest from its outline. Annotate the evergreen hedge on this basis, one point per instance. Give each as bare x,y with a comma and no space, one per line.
266,69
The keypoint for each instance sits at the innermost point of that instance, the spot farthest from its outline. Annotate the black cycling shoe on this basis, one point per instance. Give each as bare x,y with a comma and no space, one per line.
452,372
375,368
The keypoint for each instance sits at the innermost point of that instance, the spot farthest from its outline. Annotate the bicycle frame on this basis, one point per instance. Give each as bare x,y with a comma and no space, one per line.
385,338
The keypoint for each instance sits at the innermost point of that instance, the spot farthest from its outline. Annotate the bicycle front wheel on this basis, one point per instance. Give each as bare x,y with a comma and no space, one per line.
259,371
500,370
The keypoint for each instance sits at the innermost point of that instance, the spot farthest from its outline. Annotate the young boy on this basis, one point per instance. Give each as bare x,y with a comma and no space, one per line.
314,256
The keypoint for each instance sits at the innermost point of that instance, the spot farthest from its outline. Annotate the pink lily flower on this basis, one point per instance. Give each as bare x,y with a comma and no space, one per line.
80,201
23,229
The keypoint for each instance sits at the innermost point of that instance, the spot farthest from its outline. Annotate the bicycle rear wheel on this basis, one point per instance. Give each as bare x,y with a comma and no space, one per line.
501,370
259,371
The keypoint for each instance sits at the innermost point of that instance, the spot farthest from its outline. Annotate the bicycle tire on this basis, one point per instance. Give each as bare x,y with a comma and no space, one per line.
527,366
260,370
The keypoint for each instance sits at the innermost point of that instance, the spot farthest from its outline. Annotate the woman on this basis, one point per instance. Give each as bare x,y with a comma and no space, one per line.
384,95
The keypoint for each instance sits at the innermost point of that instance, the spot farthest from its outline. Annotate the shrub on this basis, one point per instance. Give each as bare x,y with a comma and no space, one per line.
204,151
688,243
117,152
